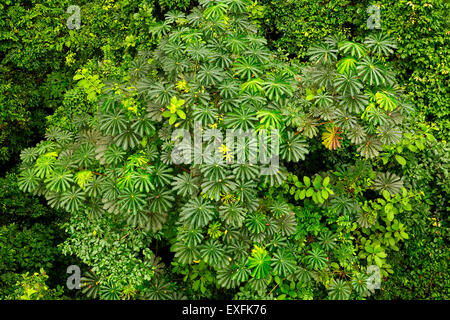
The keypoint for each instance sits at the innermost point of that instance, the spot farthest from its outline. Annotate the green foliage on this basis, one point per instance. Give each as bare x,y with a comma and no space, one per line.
361,181
419,29
33,287
40,55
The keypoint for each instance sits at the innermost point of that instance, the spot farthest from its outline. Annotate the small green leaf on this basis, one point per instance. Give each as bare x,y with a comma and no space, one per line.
326,181
302,194
172,119
181,114
307,181
400,160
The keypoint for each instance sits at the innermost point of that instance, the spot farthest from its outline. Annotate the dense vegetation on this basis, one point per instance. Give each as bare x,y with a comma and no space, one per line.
97,125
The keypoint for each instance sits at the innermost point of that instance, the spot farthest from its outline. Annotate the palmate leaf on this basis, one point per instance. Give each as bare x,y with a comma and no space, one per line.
186,254
279,209
293,148
287,224
175,65
246,191
237,247
162,174
173,16
232,214
269,119
327,240
346,64
138,218
28,181
53,199
113,122
348,84
221,60
321,76
259,262
245,171
253,99
371,147
29,155
90,284
143,126
160,29
158,289
375,115
197,51
45,164
277,241
160,200
389,134
236,43
255,222
158,92
229,89
215,11
252,86
354,103
277,87
205,114
155,220
386,99
339,290
323,100
247,68
197,212
283,263
241,273
371,71
359,284
190,236
94,209
316,259
241,119
72,199
380,43
331,138
302,275
388,181
185,184
128,139
84,156
237,6
256,51
174,49
214,189
131,201
345,206
357,50
225,277
213,253
210,74
323,53
274,175
59,181
142,181
343,119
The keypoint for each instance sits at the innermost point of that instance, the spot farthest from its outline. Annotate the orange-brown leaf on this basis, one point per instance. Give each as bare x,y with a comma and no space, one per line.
331,138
